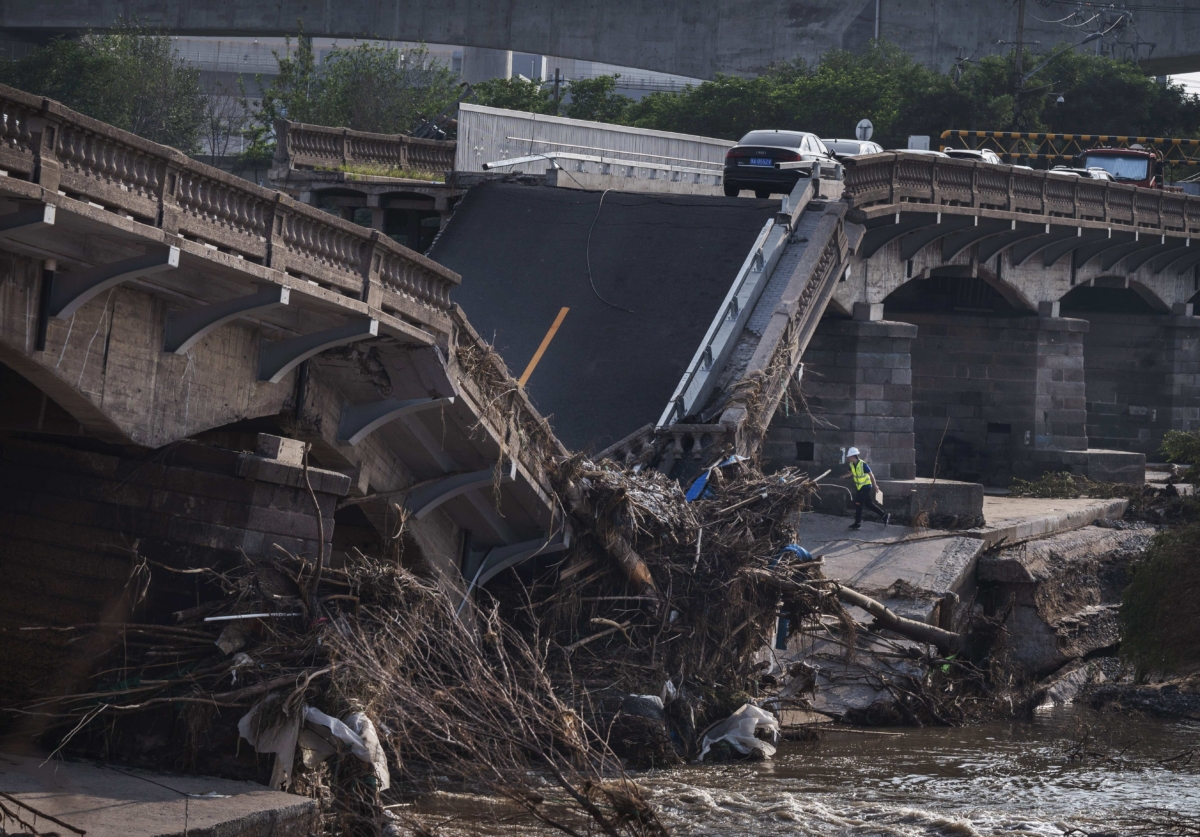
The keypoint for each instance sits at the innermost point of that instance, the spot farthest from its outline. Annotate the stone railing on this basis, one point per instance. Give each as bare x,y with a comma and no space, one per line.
883,179
69,154
698,444
314,146
755,395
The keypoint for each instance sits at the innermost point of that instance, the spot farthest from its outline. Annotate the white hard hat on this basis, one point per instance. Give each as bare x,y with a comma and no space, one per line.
852,452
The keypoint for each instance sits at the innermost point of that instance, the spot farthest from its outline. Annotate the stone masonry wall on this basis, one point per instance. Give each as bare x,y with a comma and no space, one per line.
75,522
1143,379
857,388
991,390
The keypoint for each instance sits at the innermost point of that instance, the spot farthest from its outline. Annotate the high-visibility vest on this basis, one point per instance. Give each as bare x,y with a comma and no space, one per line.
861,477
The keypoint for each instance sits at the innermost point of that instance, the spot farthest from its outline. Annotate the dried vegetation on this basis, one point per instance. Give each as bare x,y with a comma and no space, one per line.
514,699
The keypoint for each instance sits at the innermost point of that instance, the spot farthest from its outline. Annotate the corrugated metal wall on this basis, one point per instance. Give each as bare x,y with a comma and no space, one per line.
487,135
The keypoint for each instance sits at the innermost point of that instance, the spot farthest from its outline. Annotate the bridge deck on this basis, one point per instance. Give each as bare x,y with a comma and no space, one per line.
669,259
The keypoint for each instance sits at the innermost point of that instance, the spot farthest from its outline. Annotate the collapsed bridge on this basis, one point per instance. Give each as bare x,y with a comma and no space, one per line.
172,337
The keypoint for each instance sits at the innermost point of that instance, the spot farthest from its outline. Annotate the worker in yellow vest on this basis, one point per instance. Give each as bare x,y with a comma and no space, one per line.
865,487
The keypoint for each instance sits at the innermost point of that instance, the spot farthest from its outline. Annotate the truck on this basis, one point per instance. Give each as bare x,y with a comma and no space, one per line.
1136,165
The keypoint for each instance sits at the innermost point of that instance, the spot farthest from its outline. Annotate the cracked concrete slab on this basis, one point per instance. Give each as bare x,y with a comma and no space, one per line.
126,802
908,569
1015,519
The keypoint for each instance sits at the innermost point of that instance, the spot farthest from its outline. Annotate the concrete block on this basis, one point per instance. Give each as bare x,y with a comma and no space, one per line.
868,311
269,470
286,451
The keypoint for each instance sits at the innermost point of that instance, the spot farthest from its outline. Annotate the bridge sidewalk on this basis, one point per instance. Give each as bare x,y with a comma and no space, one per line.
911,569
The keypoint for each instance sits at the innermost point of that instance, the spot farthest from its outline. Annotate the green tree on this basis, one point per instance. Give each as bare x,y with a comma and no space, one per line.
902,97
1160,622
530,96
131,78
596,99
365,87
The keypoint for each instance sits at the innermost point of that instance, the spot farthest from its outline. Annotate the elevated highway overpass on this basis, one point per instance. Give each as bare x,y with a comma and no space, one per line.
686,38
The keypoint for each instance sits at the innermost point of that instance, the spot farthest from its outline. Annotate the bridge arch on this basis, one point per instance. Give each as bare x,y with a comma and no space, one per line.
38,400
958,288
1113,294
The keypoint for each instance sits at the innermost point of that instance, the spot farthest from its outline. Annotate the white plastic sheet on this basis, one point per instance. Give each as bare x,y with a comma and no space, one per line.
359,733
739,728
280,739
318,740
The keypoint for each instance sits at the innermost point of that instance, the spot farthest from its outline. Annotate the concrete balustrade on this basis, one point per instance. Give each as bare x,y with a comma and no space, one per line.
317,146
70,155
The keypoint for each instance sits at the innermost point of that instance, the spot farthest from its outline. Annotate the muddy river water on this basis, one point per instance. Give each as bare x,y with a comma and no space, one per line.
1002,778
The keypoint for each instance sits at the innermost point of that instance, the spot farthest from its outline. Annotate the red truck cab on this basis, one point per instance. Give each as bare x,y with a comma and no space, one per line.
1135,166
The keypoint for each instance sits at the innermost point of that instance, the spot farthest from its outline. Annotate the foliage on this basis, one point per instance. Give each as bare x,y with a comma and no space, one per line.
903,97
596,99
227,115
375,170
1183,446
1160,622
530,96
365,88
131,78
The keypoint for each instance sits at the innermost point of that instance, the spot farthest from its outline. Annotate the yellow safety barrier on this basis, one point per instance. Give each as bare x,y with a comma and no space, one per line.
1018,147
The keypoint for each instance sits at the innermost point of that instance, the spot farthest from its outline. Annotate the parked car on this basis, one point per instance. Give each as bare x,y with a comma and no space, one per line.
927,152
1093,173
852,147
983,155
754,162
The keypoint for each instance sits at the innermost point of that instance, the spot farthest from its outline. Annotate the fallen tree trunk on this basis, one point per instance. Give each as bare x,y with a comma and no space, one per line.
615,544
947,642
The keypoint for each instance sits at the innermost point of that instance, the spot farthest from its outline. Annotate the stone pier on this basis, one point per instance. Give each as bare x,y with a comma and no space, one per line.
80,528
857,388
1143,378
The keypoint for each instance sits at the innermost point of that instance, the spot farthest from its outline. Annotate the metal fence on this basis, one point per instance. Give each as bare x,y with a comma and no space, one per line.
492,135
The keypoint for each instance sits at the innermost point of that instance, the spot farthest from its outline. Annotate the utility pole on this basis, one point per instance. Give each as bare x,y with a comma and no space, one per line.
1018,116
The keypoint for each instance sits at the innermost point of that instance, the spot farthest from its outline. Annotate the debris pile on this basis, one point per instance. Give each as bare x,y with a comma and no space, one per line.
648,645
420,694
366,685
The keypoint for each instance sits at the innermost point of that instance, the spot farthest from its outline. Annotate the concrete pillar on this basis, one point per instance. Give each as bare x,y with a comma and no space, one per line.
989,391
1143,379
857,390
481,64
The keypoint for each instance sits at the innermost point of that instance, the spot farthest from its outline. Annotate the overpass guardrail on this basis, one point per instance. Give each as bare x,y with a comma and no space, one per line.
298,145
894,178
1022,147
67,153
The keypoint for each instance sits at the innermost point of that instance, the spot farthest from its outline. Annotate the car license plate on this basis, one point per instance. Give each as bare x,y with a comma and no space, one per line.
761,161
